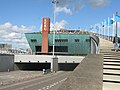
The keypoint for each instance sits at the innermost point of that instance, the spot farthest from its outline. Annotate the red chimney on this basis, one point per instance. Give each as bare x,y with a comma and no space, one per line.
45,31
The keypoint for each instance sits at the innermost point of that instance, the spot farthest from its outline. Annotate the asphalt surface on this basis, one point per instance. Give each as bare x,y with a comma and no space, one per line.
48,82
18,76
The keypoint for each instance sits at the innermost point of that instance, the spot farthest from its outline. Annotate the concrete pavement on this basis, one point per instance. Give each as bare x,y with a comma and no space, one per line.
88,75
50,81
18,76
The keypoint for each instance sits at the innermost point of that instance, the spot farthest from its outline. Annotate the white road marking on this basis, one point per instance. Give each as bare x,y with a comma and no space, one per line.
39,83
47,87
51,85
43,88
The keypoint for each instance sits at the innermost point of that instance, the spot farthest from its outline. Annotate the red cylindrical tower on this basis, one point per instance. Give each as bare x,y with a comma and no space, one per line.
45,31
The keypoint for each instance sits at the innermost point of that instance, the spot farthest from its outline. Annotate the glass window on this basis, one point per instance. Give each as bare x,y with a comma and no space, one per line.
77,40
33,40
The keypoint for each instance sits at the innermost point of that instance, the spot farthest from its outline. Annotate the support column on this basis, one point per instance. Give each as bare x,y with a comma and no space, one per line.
54,64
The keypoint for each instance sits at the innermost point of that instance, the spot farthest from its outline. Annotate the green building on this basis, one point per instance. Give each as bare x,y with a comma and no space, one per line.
65,43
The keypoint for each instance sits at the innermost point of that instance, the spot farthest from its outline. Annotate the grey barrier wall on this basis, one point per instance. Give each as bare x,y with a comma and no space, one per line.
6,62
88,75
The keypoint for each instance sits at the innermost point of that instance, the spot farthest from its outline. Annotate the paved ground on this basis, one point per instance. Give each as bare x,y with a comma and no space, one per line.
88,75
50,81
17,76
111,67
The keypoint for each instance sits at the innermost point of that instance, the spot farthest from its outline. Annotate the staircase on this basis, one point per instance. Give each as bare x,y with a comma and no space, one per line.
111,66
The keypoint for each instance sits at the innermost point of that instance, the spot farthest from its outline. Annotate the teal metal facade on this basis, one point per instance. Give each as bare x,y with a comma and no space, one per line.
73,43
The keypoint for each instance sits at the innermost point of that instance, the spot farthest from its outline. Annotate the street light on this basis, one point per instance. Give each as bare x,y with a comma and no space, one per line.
54,62
55,2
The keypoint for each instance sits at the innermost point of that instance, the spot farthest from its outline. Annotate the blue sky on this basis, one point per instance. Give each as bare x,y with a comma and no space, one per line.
20,16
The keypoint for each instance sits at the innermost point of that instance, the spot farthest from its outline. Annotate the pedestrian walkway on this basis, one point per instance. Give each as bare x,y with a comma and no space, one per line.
111,66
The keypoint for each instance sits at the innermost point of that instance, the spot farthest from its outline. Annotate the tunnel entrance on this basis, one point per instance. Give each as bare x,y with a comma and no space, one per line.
31,66
67,66
41,66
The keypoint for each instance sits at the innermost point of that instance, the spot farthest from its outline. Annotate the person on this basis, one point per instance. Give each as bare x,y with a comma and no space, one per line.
115,42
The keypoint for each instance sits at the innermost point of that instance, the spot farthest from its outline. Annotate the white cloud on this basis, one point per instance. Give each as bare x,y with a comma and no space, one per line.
63,9
71,6
10,35
99,3
14,34
68,6
58,25
78,5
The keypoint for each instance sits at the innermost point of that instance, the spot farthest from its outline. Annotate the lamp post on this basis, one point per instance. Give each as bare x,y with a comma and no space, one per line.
54,62
55,4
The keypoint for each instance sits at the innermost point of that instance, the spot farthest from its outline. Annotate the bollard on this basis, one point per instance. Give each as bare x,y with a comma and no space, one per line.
8,70
43,71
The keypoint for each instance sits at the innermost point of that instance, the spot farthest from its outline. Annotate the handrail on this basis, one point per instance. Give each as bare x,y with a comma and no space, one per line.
95,38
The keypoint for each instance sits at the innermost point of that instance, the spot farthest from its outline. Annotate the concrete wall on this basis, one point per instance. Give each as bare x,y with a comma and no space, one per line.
87,76
6,62
39,62
47,58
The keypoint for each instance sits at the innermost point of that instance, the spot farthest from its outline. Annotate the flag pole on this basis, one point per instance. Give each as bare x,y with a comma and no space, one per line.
99,30
116,25
113,31
104,28
108,27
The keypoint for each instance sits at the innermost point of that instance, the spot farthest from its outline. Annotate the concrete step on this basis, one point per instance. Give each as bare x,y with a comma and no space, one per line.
114,58
112,63
109,50
111,86
111,60
110,55
111,71
111,78
111,66
111,74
